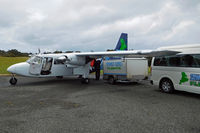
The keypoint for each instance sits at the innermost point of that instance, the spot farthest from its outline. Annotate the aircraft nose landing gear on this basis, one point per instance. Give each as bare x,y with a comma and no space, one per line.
13,80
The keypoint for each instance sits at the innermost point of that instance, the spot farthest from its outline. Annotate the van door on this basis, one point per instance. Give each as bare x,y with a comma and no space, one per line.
35,65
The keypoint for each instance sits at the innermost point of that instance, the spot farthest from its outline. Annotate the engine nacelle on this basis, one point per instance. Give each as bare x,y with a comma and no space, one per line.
76,60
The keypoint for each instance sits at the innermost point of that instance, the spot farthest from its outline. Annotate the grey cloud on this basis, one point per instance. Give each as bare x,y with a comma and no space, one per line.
96,25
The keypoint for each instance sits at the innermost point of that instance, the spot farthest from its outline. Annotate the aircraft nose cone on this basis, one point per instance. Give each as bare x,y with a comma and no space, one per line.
11,69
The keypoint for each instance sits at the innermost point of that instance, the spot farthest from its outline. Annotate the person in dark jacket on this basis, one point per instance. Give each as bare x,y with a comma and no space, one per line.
97,68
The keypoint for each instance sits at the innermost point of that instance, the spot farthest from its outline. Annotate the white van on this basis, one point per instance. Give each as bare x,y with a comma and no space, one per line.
178,72
126,69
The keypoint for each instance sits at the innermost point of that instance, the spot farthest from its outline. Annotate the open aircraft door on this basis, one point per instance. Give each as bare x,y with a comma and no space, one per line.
36,66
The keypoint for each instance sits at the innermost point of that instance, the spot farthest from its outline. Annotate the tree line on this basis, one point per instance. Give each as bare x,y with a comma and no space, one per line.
16,53
13,53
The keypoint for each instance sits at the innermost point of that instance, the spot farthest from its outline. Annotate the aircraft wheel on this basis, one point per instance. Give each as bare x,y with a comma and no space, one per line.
59,77
13,81
85,81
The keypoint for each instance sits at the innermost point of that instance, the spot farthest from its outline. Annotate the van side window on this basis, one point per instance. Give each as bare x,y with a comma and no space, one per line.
191,61
178,61
160,61
196,60
174,61
156,61
187,61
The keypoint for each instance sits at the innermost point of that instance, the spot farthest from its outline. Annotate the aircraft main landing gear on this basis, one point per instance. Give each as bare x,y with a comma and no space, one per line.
59,77
13,80
85,81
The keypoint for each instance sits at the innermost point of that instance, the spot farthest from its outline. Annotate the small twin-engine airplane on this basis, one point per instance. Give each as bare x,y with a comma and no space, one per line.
74,64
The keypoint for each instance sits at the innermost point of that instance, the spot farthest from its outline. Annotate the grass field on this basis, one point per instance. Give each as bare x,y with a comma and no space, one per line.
5,62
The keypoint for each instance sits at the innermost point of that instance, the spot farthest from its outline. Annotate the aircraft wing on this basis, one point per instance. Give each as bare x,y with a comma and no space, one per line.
130,53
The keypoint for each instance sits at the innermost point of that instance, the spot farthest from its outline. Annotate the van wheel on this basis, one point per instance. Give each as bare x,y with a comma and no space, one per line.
111,80
85,81
167,86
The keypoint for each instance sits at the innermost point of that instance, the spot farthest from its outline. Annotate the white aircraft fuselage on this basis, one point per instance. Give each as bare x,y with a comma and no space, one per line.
52,65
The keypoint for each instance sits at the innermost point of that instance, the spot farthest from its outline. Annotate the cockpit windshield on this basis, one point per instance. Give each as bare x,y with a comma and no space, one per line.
35,59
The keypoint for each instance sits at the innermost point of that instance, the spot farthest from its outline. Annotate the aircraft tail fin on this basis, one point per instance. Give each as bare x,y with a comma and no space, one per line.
123,42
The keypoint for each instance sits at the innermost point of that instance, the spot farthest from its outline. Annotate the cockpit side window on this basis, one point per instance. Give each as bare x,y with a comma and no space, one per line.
35,59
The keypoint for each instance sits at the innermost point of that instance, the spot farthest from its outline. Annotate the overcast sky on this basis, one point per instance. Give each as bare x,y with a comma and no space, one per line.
87,25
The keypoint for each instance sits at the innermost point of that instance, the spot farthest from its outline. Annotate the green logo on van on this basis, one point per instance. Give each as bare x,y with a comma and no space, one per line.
184,78
194,79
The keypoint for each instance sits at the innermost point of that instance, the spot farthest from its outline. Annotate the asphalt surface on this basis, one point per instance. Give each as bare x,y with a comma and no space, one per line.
65,105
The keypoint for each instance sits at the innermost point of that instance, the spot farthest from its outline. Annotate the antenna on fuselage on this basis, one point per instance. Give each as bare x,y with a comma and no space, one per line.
39,51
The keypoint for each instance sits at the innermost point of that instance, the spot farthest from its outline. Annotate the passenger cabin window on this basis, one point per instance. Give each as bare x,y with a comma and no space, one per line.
57,61
178,61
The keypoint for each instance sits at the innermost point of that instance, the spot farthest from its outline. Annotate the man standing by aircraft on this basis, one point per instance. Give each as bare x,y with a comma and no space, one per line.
97,68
